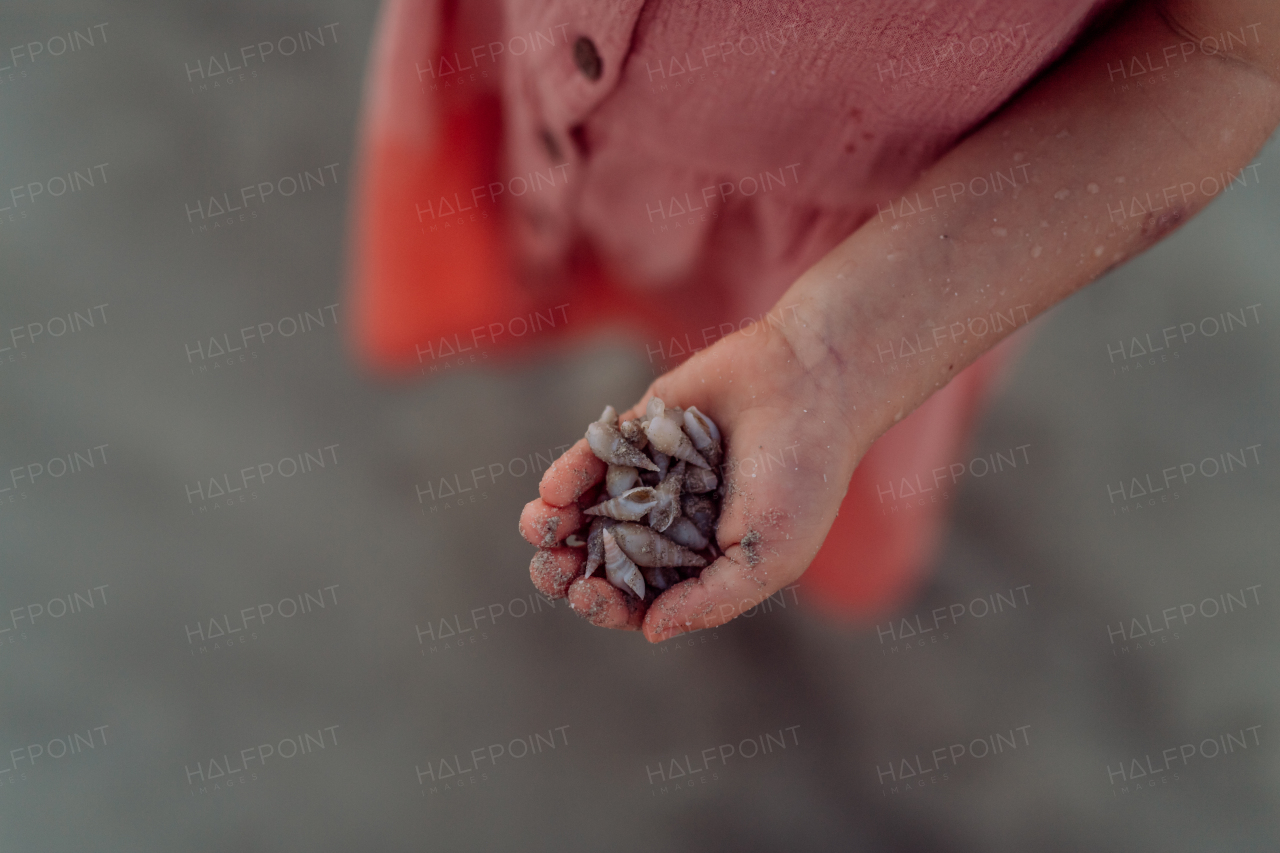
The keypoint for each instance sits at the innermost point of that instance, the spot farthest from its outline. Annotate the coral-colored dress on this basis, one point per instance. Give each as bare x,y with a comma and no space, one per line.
535,170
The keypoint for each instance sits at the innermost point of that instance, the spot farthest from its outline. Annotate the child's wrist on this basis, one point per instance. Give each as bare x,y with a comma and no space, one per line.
847,350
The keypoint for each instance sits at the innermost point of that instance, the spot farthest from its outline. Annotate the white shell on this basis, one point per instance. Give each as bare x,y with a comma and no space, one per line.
620,478
607,443
648,547
662,460
667,503
703,424
704,434
631,505
684,532
633,431
665,434
595,543
619,569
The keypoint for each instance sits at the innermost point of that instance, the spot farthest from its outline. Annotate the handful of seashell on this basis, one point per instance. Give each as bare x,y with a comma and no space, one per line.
654,522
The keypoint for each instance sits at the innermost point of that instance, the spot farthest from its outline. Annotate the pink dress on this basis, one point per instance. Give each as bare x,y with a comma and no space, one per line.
675,167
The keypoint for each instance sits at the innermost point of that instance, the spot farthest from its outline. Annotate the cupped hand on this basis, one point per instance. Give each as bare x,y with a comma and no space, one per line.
790,429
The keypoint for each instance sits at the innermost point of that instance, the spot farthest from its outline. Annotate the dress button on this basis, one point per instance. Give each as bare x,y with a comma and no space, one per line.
578,134
587,58
552,147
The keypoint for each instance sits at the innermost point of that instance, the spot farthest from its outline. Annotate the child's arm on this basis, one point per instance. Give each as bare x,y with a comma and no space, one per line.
1101,174
1110,172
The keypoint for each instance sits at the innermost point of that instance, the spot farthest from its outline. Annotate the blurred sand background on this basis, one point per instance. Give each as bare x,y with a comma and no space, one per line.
358,663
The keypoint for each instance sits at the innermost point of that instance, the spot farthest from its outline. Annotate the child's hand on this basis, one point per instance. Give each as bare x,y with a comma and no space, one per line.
789,434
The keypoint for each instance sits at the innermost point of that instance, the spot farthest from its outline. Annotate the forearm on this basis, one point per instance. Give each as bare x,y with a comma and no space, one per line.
1088,177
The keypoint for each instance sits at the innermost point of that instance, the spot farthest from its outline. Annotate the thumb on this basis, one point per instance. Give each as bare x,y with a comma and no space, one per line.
784,488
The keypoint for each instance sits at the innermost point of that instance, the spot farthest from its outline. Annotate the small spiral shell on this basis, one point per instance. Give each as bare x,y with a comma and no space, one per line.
684,532
704,434
665,433
607,443
595,543
633,431
631,505
667,504
620,478
648,547
619,569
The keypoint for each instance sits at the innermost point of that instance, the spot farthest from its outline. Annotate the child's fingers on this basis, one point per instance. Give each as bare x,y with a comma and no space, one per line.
553,570
573,473
545,525
724,590
604,605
